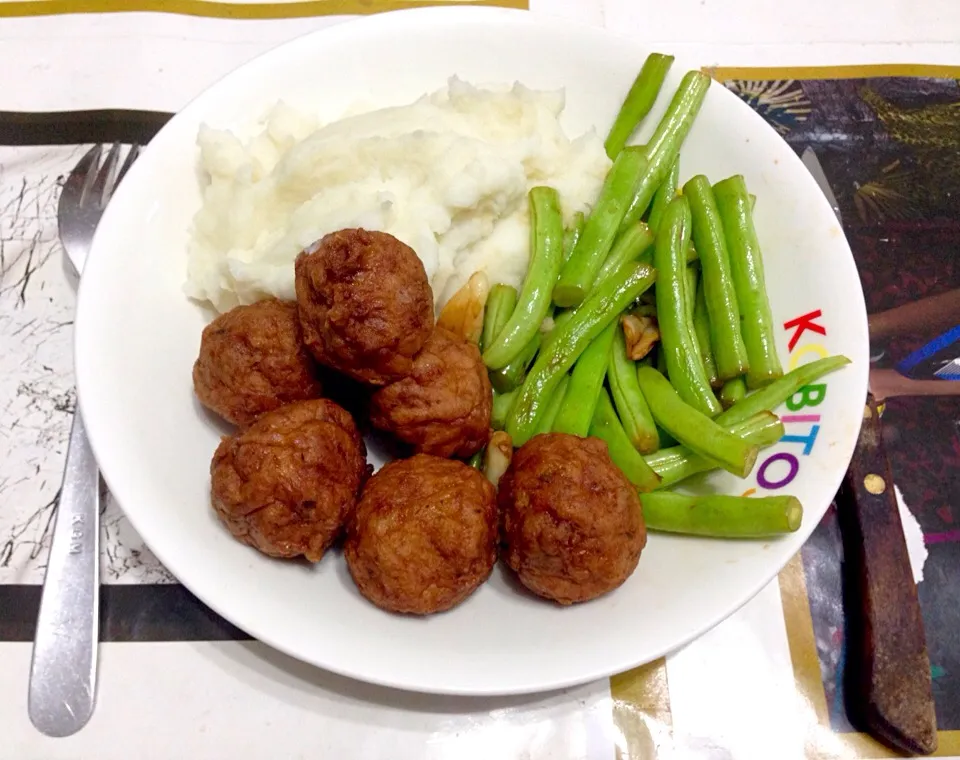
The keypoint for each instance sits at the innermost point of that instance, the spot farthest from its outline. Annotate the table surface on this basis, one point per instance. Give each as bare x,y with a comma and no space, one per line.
175,681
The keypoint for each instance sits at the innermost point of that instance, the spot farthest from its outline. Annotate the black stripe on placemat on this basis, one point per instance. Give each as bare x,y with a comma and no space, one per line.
80,127
161,612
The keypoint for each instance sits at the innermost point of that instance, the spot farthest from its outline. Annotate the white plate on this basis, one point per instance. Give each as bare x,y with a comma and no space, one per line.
137,336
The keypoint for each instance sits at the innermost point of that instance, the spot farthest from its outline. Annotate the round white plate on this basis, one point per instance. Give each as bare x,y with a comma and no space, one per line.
137,336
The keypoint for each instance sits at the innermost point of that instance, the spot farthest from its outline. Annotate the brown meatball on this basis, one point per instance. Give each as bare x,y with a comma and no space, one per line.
252,361
286,484
443,406
423,536
571,520
365,304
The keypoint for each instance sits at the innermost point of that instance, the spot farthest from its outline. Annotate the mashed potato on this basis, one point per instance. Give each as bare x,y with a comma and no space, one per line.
448,175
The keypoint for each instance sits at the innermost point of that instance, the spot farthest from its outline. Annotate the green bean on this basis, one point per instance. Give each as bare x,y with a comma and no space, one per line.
664,147
513,374
771,396
501,408
679,116
733,391
644,193
631,244
679,463
640,99
567,343
559,321
722,305
721,516
691,281
692,428
664,194
580,270
572,234
628,399
606,426
690,292
476,461
501,302
546,257
655,360
746,267
554,405
586,380
681,354
701,327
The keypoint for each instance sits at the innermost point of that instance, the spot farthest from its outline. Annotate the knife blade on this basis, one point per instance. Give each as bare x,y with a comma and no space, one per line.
889,668
810,160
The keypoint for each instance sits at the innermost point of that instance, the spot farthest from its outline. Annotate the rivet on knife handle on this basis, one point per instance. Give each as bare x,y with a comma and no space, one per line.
64,668
890,668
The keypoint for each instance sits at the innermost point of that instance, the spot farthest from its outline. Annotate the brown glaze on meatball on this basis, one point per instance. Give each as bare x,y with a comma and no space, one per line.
423,536
443,406
366,306
286,484
252,361
572,522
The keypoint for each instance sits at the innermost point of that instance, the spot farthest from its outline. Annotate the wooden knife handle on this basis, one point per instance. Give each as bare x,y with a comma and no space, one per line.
889,667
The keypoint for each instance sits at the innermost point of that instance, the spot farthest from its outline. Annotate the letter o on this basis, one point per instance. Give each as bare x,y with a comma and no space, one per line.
782,456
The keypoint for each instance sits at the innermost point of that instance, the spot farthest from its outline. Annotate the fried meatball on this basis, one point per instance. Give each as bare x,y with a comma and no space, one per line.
286,484
366,306
252,361
443,406
423,536
572,523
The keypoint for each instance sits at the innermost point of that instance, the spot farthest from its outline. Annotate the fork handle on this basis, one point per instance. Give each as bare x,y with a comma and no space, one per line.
64,668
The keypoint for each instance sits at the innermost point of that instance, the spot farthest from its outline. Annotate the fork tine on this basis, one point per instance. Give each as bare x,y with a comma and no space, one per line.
102,187
132,156
81,178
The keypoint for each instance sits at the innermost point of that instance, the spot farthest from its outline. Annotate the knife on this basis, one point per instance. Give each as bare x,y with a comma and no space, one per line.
891,692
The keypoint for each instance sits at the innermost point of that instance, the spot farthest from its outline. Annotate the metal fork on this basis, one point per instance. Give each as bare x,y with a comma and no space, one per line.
64,668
